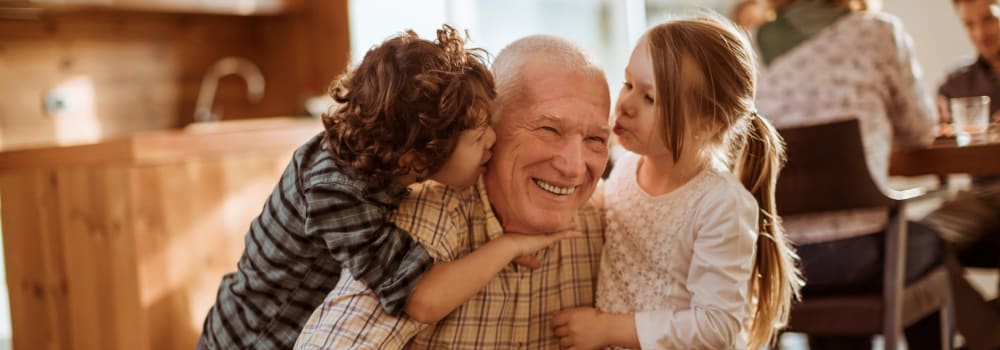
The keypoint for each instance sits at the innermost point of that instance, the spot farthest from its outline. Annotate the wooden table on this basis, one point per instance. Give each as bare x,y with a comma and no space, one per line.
977,322
944,157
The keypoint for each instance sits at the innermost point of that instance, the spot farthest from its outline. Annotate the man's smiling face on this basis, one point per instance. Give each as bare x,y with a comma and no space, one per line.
551,149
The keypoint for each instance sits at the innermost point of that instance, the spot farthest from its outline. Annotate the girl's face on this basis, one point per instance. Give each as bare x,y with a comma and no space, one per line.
636,123
469,158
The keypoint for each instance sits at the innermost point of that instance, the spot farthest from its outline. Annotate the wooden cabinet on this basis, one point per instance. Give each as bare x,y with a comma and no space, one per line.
237,7
133,71
122,244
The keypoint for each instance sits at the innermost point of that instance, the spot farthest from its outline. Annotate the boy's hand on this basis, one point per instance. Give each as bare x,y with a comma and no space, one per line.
526,245
579,328
530,261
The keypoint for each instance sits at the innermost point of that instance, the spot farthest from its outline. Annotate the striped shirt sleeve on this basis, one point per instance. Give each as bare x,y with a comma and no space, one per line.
350,318
359,236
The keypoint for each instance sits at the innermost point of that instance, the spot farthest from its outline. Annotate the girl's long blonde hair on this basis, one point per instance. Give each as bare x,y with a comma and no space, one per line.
722,96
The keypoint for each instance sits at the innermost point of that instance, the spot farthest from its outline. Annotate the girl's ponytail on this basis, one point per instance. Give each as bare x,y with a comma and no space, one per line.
776,279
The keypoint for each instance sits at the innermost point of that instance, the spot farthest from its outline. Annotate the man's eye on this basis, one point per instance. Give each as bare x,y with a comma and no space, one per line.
597,139
627,85
550,129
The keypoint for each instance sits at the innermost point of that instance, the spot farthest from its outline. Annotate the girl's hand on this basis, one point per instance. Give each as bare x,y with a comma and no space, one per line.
579,328
524,246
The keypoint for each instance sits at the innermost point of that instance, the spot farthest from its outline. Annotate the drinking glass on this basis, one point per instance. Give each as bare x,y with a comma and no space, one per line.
970,117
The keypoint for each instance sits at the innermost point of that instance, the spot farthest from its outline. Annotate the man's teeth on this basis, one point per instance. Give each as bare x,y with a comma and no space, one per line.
555,189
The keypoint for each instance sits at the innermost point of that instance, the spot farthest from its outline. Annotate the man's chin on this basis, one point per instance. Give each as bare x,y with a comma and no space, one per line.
554,223
539,222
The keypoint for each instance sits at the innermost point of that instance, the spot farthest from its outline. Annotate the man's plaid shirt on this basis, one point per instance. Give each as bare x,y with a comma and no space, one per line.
511,312
319,218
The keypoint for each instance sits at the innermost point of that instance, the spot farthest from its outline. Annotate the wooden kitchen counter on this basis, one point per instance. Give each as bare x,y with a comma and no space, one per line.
121,244
196,140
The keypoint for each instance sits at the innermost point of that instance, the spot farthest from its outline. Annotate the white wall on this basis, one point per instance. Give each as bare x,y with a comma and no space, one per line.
938,36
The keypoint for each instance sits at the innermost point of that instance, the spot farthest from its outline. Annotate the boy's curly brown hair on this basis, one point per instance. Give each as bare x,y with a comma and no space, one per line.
408,95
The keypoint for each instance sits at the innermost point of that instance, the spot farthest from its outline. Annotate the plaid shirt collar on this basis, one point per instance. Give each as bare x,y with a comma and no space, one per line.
493,227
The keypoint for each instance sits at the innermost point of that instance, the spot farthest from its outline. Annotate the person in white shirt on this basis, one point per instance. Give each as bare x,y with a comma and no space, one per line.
694,256
826,61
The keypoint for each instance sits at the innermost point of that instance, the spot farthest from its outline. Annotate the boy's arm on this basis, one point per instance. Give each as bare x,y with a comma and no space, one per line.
352,318
359,237
446,286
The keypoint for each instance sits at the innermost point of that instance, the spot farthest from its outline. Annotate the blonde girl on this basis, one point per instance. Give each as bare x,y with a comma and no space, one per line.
695,256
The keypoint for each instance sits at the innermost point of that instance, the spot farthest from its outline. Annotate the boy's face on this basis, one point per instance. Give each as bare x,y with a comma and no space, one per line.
469,158
981,23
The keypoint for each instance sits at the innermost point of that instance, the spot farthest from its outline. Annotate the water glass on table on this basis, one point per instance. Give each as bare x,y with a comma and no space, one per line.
970,117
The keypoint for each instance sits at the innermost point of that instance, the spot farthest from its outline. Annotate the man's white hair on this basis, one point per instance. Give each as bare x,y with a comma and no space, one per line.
508,67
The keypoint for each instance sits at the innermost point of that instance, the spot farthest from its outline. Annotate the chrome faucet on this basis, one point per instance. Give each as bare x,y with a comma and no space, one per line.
203,111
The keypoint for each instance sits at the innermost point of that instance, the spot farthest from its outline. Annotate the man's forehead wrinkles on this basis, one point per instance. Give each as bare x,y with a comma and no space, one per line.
605,128
551,117
596,127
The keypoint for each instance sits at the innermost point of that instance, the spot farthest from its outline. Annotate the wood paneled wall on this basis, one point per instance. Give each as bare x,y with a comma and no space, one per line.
144,69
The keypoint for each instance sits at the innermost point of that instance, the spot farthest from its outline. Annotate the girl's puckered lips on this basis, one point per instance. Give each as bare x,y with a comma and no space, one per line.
618,129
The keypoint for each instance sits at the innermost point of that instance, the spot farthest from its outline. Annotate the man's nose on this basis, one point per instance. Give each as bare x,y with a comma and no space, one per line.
569,162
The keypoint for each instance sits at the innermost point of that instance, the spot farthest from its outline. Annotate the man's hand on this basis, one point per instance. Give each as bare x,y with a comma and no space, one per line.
579,328
944,117
525,246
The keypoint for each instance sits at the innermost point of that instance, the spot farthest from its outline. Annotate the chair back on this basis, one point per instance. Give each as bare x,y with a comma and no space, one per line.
826,171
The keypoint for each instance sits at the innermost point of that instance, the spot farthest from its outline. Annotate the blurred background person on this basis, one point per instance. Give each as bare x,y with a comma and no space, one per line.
829,60
970,223
749,14
976,76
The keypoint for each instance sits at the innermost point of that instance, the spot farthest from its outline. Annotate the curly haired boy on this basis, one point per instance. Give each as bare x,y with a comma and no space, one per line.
414,109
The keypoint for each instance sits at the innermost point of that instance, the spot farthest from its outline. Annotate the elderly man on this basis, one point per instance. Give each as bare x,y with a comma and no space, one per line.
551,121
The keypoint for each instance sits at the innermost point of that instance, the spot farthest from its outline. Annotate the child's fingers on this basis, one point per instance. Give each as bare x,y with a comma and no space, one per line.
559,319
528,260
552,238
570,234
561,331
542,241
566,342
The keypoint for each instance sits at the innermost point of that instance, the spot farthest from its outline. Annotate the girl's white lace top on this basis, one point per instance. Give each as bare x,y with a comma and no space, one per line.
680,261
